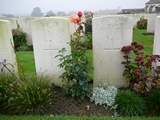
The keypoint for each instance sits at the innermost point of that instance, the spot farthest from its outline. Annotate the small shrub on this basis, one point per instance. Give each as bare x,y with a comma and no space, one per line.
129,104
139,69
8,85
33,96
102,96
27,96
142,24
153,102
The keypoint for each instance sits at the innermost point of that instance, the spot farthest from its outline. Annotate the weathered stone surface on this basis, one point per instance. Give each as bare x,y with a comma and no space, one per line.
110,34
156,48
49,36
151,23
7,52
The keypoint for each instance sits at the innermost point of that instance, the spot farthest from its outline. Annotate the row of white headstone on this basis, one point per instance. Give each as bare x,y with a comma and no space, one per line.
110,34
25,23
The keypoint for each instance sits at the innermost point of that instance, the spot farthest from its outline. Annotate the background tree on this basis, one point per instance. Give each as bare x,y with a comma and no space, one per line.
61,13
37,12
50,13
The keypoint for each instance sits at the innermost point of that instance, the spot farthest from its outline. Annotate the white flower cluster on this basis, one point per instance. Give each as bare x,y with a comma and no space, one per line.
104,96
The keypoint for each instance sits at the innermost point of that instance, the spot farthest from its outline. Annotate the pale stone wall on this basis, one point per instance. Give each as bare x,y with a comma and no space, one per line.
49,36
151,23
110,34
7,46
156,48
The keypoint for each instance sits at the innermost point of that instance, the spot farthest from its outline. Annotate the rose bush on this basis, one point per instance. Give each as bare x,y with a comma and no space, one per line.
75,75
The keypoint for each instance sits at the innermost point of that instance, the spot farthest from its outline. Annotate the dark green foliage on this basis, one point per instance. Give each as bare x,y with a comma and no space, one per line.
19,38
153,102
88,41
75,75
20,41
129,104
33,96
8,85
142,24
25,48
24,96
88,25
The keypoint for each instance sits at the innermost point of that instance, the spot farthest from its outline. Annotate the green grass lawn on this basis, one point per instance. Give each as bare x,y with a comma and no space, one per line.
70,118
26,62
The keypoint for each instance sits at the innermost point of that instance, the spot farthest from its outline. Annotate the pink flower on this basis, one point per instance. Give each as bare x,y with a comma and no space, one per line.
75,19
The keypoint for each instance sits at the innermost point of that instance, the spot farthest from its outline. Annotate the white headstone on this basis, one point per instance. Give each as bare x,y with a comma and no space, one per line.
7,52
151,23
49,36
156,48
110,34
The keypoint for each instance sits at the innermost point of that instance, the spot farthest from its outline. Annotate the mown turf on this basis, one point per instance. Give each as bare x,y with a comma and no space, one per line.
26,62
71,118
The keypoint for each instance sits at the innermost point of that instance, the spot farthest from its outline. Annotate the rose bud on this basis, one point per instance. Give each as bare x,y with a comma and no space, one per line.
80,14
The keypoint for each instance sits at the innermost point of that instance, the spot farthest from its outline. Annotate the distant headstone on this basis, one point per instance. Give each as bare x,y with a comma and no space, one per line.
49,36
156,48
110,34
7,53
151,23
